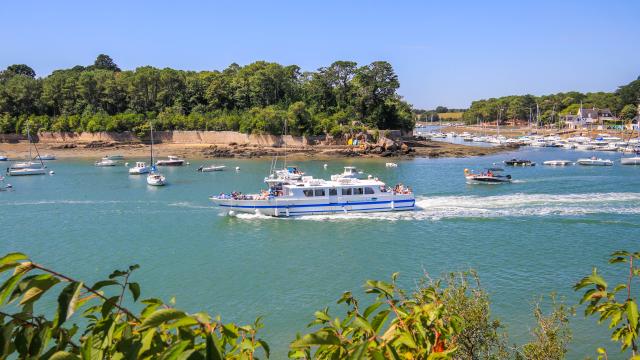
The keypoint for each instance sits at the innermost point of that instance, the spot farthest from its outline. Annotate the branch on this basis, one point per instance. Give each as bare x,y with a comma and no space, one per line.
64,277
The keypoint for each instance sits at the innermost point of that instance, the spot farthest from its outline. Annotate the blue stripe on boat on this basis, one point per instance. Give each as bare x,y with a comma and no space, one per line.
316,205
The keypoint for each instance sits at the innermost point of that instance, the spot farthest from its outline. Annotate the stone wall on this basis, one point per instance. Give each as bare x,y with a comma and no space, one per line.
174,137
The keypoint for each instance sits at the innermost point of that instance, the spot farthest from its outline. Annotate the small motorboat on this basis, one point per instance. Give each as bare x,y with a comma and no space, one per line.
487,177
3,158
211,168
390,164
171,161
105,162
45,157
114,157
156,179
517,162
139,169
635,160
557,162
594,161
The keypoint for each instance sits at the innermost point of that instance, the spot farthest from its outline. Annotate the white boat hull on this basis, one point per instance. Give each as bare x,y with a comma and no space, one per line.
138,170
156,180
630,161
557,162
597,162
27,171
278,207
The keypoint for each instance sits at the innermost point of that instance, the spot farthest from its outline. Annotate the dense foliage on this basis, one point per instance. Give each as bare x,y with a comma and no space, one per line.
443,319
550,108
256,98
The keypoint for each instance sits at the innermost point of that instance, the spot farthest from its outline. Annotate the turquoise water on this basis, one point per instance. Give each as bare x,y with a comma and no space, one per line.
538,235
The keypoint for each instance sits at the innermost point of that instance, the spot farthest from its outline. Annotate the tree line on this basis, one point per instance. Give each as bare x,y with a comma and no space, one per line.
549,109
257,98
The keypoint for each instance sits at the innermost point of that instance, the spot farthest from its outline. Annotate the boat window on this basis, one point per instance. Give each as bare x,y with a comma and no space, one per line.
333,192
308,193
358,191
368,191
319,192
346,191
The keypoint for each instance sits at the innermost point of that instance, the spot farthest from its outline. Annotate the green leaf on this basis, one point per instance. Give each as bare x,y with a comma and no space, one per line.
147,338
321,337
265,346
38,286
379,320
632,314
8,286
362,323
212,348
108,305
67,301
100,284
371,308
359,352
9,266
63,355
160,317
175,350
135,290
12,257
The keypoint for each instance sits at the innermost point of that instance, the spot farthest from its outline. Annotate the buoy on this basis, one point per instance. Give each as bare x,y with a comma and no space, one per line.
325,166
126,164
237,168
188,163
51,172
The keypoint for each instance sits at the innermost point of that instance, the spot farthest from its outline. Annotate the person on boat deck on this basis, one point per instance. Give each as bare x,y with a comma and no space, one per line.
489,173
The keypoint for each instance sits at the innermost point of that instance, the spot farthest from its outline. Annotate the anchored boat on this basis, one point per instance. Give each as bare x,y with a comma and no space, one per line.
516,162
594,161
557,162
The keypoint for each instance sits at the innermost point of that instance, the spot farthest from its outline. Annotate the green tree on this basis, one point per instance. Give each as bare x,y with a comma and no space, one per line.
105,62
628,112
21,69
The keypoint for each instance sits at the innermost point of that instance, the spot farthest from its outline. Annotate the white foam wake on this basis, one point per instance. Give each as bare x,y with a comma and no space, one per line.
513,205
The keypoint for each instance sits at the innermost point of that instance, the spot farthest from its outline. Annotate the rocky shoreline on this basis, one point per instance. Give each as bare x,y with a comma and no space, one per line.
408,147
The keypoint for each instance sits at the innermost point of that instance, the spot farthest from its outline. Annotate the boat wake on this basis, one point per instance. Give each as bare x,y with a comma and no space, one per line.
513,205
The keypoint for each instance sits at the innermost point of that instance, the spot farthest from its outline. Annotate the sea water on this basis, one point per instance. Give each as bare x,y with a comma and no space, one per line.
527,239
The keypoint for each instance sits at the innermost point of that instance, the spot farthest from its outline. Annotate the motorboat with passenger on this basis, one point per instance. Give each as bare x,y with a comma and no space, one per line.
594,161
309,196
170,161
486,177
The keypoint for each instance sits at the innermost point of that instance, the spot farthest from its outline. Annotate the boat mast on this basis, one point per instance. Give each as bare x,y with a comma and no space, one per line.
284,139
151,126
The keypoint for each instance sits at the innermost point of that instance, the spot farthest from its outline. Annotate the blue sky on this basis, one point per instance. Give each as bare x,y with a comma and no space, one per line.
445,52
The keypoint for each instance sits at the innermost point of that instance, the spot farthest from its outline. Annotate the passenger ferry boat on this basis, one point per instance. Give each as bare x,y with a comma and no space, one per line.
309,196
